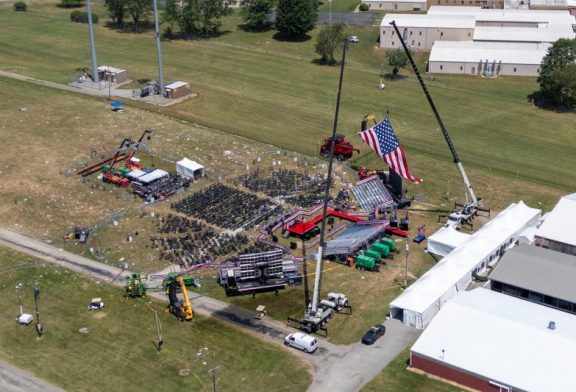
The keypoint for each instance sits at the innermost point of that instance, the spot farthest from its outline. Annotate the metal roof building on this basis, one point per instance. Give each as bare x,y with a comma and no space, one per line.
489,342
483,58
557,232
537,275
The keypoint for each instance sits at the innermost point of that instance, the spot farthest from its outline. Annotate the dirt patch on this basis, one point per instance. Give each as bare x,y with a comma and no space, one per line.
99,315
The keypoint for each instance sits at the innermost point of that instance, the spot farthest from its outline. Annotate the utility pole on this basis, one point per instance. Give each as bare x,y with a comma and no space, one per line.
330,7
158,50
406,251
95,77
213,372
18,287
39,328
159,340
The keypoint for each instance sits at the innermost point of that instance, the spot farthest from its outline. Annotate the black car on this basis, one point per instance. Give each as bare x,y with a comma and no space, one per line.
373,334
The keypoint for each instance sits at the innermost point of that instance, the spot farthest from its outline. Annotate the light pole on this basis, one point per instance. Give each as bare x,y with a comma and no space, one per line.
406,250
39,328
330,7
159,340
213,372
18,287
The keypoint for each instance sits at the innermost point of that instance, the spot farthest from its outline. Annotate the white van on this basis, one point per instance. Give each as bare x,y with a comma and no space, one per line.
301,341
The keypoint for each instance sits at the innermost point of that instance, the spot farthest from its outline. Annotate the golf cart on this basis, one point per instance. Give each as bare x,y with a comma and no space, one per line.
260,312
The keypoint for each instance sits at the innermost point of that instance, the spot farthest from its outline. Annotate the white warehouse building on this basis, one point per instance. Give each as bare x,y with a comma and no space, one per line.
472,40
396,5
486,58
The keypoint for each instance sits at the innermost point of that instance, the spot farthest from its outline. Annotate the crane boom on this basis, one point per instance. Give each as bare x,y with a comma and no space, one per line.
459,166
186,306
137,144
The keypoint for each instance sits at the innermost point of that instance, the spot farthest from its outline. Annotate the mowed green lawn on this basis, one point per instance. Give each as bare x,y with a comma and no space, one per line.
253,85
117,353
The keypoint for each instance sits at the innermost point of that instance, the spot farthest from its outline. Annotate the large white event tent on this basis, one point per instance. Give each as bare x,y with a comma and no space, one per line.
189,169
420,302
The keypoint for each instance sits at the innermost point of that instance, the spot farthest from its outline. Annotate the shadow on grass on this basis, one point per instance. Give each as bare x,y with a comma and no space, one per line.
130,28
326,63
282,37
539,101
251,29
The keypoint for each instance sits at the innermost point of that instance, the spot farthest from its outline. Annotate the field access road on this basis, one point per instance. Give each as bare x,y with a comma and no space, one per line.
13,379
335,367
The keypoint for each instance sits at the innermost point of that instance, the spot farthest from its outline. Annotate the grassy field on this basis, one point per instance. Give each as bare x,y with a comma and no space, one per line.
396,378
118,352
272,89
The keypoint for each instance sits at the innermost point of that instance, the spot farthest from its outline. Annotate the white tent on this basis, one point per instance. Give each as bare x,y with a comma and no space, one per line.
446,240
420,302
189,169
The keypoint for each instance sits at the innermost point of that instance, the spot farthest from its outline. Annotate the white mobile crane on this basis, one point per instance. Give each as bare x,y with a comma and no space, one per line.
317,312
468,210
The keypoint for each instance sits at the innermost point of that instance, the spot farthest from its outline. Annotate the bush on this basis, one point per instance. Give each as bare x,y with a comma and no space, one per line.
82,17
364,7
20,6
71,3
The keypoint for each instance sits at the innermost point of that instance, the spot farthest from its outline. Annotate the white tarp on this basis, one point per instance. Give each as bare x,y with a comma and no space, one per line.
559,223
446,240
134,174
154,175
504,339
189,169
420,302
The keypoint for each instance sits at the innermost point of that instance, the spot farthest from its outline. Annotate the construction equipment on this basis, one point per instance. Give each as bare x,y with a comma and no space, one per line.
114,176
133,163
181,309
343,149
316,315
134,286
189,280
470,208
336,301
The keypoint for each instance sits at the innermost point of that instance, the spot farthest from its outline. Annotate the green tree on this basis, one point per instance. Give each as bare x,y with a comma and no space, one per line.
257,13
329,39
296,17
202,17
397,59
172,13
138,10
116,11
20,6
558,74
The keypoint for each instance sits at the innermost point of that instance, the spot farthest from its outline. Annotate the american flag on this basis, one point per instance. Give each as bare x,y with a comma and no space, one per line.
381,138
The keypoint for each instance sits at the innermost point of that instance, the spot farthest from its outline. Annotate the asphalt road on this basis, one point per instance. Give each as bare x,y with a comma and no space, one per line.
335,367
13,379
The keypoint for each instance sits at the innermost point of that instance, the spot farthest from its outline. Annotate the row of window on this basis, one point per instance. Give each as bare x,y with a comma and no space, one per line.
534,297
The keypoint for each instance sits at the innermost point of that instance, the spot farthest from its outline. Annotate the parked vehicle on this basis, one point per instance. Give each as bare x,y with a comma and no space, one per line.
24,319
96,304
353,38
374,334
301,341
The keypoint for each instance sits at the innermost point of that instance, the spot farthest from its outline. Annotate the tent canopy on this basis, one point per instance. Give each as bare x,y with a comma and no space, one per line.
189,169
446,240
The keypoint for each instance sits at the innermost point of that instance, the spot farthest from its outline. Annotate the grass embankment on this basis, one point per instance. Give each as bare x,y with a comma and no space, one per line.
398,379
118,352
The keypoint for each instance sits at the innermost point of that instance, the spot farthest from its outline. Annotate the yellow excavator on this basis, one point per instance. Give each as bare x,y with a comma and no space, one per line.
181,309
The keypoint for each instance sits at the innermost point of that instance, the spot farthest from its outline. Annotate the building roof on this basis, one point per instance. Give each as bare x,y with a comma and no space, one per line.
175,85
107,68
504,339
523,34
559,223
474,52
458,265
504,15
421,20
540,270
553,3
